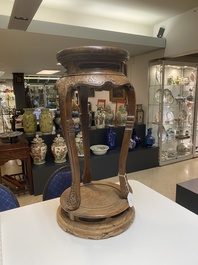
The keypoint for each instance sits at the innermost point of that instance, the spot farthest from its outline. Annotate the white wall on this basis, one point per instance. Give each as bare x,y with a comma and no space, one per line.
101,95
138,76
181,34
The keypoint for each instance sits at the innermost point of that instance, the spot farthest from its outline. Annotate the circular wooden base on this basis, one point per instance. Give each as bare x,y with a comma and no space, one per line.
96,230
103,212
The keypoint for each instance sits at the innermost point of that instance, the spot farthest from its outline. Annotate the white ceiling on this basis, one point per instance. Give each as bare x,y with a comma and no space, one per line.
58,24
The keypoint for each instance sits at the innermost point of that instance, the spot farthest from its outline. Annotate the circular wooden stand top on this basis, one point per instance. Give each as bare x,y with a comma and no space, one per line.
103,211
89,58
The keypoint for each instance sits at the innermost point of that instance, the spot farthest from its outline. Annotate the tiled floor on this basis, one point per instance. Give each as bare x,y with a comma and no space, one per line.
161,179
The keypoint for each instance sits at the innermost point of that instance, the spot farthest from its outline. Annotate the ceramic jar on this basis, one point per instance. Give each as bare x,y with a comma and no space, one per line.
182,149
121,116
38,150
149,140
46,121
29,121
79,144
59,149
100,118
111,137
109,116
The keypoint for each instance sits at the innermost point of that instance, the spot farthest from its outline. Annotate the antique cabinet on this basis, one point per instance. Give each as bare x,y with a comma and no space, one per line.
171,109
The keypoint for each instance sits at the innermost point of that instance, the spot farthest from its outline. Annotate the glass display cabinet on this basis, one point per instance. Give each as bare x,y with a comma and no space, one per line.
43,96
171,109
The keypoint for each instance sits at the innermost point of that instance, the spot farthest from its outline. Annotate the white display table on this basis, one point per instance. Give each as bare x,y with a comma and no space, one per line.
163,233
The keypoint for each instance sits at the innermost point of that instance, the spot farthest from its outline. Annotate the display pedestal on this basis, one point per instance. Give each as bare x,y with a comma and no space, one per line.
93,68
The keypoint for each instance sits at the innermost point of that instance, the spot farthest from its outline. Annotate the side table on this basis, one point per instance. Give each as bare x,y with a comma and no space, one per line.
18,150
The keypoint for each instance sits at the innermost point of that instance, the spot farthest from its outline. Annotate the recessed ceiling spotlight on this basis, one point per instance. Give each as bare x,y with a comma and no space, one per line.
160,32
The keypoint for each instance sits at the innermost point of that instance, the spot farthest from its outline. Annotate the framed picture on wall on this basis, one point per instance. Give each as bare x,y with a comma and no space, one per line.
101,103
117,94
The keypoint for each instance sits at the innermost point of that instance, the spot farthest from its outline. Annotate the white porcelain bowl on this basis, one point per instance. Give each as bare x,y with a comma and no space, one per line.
99,149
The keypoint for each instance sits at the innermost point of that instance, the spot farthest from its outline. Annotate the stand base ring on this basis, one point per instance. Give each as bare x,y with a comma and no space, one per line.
106,228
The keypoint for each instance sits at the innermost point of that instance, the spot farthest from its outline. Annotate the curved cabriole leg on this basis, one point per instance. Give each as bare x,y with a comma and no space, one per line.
124,185
65,101
83,93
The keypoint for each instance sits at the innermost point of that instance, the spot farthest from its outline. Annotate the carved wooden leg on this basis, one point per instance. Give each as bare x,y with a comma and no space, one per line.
124,185
65,100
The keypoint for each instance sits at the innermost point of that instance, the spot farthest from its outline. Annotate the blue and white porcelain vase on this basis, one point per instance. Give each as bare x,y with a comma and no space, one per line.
76,119
149,140
136,138
132,144
111,137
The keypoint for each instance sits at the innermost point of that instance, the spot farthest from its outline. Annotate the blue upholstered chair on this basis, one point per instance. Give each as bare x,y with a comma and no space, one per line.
8,199
59,181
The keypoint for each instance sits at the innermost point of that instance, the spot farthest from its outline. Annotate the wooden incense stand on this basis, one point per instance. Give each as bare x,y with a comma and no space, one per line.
94,209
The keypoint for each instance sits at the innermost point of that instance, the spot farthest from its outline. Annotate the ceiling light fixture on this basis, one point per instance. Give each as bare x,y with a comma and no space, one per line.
34,77
48,72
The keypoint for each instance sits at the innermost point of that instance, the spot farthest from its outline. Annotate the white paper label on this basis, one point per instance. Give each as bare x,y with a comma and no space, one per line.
130,199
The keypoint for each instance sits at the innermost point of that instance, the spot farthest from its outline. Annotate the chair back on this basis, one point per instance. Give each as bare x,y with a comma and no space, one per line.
8,199
58,182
